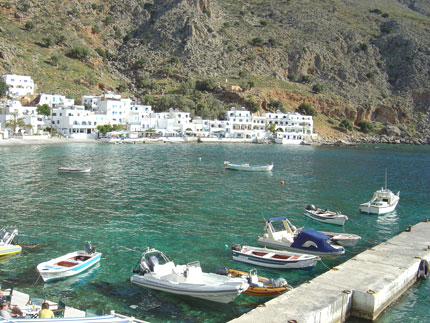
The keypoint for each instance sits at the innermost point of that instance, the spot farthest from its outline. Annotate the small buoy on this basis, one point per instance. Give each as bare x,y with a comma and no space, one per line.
226,246
282,182
200,158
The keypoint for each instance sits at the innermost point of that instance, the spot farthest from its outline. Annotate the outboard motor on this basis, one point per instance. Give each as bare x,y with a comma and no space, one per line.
236,247
89,248
152,261
310,207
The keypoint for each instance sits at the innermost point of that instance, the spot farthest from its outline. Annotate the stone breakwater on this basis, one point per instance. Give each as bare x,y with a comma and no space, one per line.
361,139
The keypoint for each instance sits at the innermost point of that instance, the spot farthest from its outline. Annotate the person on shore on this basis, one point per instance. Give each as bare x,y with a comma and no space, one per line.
45,312
2,298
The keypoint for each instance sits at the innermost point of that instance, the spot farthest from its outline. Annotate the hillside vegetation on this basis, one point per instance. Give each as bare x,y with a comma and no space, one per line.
351,60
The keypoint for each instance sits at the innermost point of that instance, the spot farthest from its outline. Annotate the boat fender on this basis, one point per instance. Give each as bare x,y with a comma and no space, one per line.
423,269
280,282
236,247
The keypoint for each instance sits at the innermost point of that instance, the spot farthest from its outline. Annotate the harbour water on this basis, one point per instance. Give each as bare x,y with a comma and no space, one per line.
178,198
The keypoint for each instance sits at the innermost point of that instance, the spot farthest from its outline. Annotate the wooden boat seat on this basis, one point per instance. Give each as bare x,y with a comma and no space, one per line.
67,263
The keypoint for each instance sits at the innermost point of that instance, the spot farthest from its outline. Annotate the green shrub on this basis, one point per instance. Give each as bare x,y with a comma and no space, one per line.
101,52
346,124
306,109
317,88
365,126
78,53
3,88
206,85
29,26
385,15
377,11
292,77
47,42
276,104
230,48
364,47
108,20
95,29
306,79
263,23
257,41
252,105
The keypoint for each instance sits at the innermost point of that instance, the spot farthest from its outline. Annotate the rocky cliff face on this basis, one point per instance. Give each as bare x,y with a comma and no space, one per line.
371,58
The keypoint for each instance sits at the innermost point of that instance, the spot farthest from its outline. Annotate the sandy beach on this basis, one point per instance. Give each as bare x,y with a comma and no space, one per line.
51,141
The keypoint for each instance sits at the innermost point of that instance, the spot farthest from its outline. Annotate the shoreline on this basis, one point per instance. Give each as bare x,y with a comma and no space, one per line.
13,142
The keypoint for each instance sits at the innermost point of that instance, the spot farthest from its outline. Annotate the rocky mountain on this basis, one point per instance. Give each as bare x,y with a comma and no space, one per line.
351,60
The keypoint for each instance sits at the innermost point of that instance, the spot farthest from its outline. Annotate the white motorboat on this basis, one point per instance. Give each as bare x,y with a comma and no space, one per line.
73,170
156,271
383,201
273,258
111,318
325,215
68,265
7,245
308,241
343,239
249,167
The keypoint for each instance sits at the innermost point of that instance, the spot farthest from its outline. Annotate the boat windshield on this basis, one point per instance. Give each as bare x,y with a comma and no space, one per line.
277,226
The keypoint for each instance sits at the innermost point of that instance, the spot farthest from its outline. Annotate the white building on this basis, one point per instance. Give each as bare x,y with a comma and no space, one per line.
77,122
19,85
291,128
138,117
55,100
90,101
239,124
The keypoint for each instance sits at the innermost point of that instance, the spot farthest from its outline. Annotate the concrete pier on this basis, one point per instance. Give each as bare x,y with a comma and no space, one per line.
362,286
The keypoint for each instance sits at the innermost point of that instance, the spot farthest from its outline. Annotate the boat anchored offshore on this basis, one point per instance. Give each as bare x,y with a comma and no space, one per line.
73,170
70,264
325,215
307,241
7,243
249,167
273,258
258,285
156,271
383,201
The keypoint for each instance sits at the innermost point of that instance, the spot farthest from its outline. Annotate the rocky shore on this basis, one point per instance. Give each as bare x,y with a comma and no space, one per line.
350,140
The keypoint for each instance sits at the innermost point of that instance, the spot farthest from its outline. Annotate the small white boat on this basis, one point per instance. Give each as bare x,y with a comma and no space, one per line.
288,237
112,318
249,167
343,239
325,215
68,265
156,271
273,258
73,170
383,201
7,244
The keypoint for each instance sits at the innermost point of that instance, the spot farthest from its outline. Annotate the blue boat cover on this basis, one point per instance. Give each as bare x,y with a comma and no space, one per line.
319,239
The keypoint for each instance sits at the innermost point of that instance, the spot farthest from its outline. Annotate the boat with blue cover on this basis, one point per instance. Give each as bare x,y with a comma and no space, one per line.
69,265
307,241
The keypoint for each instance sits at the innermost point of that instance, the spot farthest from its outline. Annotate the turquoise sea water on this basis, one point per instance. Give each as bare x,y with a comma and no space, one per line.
164,196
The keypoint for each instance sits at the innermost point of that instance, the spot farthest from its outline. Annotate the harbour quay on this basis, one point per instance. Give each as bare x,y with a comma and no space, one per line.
361,287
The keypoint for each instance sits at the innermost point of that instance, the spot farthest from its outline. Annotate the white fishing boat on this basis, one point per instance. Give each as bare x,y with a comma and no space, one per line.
308,241
273,258
73,170
156,271
68,265
249,167
325,215
343,239
111,318
7,245
383,201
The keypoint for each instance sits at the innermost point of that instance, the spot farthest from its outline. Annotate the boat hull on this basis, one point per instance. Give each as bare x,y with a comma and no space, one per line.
338,220
221,293
343,239
307,264
49,272
9,250
248,167
370,209
265,291
285,246
74,170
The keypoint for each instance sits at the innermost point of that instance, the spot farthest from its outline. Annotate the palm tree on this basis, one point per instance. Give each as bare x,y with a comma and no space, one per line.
16,123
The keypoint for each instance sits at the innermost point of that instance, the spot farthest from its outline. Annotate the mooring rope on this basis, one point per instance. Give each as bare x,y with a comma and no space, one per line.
36,280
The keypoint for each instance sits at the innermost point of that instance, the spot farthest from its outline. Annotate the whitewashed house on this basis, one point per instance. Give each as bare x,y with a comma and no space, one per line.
291,128
115,109
239,124
90,101
77,122
19,85
138,117
29,114
55,100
